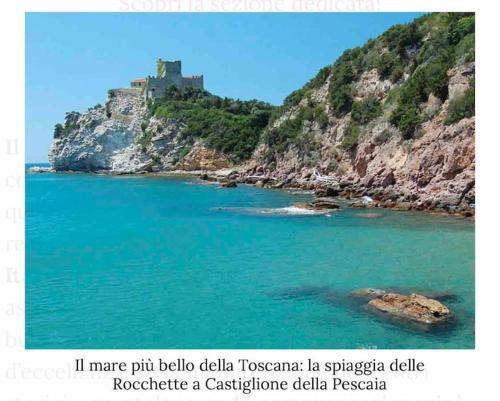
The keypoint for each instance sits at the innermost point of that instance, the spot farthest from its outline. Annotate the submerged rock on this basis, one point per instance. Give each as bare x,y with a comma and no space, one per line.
369,215
305,291
369,293
412,307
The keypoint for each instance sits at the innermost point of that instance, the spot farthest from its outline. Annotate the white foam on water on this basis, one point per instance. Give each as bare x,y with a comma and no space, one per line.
284,211
292,210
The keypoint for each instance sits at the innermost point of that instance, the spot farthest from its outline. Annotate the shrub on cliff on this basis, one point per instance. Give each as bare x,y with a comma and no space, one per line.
346,69
429,78
294,98
70,124
461,107
401,37
389,65
321,117
459,28
58,130
340,100
364,111
406,118
320,78
281,137
351,137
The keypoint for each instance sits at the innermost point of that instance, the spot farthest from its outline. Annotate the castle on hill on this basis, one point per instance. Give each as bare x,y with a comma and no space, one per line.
168,73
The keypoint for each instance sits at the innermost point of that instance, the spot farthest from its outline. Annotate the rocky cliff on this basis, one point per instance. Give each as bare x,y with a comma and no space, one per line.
130,135
392,120
433,169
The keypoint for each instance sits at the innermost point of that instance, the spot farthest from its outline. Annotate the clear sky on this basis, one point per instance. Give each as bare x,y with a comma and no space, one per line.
72,59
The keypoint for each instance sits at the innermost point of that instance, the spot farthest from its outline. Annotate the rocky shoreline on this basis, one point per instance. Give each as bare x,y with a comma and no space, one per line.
328,194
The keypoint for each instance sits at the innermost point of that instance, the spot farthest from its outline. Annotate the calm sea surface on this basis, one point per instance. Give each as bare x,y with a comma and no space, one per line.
143,262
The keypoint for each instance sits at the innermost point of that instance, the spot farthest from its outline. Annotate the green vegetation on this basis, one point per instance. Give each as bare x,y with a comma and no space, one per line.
387,65
58,130
423,50
459,28
351,137
70,124
406,118
321,117
462,107
227,125
344,71
294,98
286,134
340,100
183,152
366,110
451,40
401,38
144,140
291,131
416,56
95,107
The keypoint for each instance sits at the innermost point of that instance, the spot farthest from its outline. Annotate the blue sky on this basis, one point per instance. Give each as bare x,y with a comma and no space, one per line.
72,59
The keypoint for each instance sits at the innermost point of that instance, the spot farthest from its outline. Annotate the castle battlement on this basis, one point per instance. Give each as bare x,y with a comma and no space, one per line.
169,73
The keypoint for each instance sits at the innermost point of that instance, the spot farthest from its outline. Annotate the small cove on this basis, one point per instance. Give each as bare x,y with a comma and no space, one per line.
165,262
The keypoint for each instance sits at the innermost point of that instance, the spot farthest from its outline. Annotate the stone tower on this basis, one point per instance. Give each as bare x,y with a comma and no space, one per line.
168,73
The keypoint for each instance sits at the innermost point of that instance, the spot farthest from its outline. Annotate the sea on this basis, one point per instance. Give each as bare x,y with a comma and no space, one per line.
143,262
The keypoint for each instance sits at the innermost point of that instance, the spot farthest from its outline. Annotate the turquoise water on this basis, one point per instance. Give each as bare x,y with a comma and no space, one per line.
144,262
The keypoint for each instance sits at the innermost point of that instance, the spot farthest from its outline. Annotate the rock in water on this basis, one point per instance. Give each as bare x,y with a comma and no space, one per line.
326,191
228,184
412,307
369,215
324,203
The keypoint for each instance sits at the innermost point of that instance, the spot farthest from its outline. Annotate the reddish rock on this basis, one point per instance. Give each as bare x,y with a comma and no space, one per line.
412,307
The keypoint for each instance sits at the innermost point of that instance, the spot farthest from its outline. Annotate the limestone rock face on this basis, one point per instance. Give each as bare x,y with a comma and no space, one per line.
412,307
122,137
103,138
